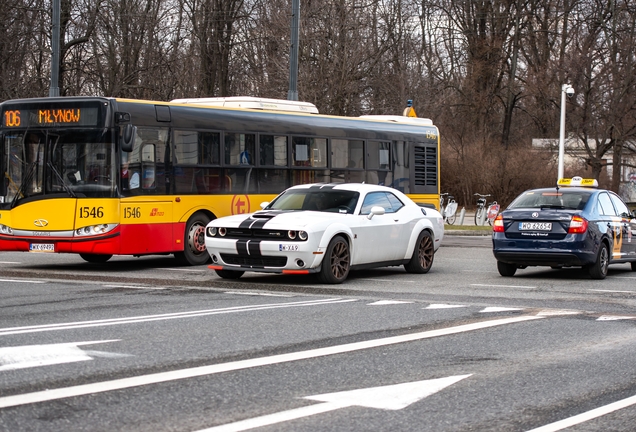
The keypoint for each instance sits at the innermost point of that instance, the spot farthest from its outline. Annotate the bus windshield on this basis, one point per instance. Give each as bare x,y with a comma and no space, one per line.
41,163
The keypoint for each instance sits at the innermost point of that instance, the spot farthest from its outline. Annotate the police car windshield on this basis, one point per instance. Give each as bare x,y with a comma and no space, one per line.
561,199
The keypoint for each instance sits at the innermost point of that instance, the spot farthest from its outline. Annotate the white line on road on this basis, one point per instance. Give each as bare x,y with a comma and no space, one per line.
135,287
613,291
178,315
23,281
504,286
384,280
263,294
583,417
62,393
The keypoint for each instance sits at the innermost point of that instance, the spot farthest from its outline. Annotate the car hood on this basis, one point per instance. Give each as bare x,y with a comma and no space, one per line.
280,219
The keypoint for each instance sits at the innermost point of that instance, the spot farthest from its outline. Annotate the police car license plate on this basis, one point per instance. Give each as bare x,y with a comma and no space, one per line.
42,247
287,248
535,226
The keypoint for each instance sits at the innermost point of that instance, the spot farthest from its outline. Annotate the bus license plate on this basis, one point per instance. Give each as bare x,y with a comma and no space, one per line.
535,226
287,248
42,247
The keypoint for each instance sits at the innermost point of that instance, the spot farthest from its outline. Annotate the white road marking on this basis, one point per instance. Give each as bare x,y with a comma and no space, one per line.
178,315
10,262
385,280
443,306
391,397
388,302
586,416
499,309
141,380
503,286
140,287
28,356
614,318
23,281
557,312
258,294
613,291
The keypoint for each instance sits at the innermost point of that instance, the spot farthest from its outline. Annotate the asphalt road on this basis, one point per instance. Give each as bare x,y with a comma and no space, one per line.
140,344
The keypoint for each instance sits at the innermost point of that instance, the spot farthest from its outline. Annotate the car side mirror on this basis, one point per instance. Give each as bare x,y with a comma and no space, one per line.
375,210
264,204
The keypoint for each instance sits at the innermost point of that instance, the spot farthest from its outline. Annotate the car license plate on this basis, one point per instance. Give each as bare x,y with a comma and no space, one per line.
287,248
535,226
42,247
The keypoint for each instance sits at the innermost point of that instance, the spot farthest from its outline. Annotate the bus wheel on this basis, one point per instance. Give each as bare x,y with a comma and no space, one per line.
95,258
194,251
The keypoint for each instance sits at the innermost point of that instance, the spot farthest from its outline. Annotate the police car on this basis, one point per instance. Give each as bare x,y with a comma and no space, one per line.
572,224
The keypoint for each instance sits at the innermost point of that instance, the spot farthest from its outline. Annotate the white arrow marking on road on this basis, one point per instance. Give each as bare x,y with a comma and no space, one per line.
443,306
391,397
22,357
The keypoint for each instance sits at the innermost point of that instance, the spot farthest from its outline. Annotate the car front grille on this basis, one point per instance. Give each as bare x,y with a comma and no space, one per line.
240,233
254,261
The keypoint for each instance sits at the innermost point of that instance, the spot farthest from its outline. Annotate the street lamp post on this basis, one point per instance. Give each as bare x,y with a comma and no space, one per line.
566,89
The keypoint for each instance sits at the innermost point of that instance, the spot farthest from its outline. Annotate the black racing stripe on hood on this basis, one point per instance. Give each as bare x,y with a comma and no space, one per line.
246,223
259,223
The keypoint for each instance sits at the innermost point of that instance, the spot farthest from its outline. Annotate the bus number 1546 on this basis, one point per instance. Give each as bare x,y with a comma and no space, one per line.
91,212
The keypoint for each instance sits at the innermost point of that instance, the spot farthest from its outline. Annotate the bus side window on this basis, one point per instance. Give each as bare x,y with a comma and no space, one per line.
148,166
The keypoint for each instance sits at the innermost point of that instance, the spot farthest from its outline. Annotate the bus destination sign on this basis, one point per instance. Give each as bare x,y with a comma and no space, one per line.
50,117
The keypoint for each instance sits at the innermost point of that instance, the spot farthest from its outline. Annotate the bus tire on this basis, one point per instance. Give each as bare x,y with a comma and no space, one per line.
194,251
95,258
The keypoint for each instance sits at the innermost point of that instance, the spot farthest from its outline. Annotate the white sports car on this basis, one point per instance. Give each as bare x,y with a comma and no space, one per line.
327,229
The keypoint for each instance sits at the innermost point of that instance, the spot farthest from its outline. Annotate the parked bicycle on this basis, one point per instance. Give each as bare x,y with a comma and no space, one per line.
485,212
448,212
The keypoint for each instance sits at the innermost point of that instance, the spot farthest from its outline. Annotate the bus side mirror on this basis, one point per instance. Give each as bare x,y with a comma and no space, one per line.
127,138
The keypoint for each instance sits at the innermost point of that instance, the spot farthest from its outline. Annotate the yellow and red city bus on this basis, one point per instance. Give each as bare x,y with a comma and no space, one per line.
103,176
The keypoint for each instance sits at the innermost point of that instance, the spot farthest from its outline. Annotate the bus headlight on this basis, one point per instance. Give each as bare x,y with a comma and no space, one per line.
92,230
6,230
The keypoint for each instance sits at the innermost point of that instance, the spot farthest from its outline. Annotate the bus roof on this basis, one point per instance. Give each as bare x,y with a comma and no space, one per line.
400,119
252,103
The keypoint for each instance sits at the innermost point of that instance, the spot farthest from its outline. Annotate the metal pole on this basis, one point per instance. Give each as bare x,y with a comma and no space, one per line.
566,89
293,55
54,90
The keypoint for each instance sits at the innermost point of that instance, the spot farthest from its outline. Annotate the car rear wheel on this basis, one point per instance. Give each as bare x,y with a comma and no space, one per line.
598,270
506,269
229,274
423,254
95,258
336,263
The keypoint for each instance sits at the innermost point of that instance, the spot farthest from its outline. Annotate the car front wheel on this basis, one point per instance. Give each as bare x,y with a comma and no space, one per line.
423,254
336,263
506,269
598,270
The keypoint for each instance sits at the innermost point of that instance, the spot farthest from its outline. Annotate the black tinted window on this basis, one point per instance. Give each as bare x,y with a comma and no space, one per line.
565,199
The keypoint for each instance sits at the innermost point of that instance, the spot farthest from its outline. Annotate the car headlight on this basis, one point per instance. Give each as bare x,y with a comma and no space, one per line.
291,234
222,232
212,231
94,230
302,235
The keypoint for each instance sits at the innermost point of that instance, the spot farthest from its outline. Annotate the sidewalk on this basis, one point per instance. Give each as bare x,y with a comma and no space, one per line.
469,221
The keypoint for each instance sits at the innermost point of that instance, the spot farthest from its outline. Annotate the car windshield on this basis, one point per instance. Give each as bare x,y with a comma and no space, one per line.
561,199
335,201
